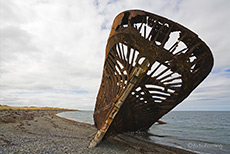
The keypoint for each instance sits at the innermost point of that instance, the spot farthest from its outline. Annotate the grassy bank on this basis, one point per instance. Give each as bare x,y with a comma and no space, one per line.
6,107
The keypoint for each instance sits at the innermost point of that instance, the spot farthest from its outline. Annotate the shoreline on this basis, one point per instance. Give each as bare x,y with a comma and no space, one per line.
42,131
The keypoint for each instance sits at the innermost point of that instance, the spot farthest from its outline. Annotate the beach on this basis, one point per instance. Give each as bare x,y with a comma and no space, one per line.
41,131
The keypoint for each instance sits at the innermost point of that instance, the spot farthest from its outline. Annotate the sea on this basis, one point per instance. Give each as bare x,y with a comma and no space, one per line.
198,131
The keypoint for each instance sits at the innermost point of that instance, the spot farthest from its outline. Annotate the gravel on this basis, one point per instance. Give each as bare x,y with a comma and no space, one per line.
44,132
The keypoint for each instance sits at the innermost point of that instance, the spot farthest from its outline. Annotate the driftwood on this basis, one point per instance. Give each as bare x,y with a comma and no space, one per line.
151,65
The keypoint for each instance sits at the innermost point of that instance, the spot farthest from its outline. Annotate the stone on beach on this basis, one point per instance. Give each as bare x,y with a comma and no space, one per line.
44,132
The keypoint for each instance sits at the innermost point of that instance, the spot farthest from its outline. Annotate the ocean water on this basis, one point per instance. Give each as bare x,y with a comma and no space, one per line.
198,131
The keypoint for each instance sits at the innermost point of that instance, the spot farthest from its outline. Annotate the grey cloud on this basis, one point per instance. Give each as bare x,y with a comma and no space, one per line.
15,41
47,45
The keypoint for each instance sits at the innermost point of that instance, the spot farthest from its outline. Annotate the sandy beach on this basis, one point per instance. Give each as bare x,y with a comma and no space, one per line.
41,131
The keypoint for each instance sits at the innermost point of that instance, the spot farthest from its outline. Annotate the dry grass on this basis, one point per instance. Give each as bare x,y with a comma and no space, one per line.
6,107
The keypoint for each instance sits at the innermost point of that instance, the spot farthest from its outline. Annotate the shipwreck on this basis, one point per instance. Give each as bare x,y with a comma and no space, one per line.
151,65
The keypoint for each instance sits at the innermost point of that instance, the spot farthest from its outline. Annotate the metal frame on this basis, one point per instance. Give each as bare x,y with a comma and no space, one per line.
151,65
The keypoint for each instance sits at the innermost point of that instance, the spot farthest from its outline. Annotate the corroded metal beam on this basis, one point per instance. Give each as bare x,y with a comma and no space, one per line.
135,77
171,60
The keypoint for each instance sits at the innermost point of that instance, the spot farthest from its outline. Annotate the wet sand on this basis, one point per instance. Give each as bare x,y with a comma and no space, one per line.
44,132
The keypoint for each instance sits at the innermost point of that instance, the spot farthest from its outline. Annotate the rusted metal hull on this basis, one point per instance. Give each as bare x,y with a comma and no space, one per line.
173,62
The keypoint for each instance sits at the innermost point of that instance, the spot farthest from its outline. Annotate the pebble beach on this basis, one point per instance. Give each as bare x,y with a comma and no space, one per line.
41,131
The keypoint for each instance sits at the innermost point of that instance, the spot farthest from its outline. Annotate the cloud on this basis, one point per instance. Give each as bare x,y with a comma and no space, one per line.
52,52
212,94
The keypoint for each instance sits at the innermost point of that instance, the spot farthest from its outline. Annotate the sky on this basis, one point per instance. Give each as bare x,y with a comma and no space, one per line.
52,51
